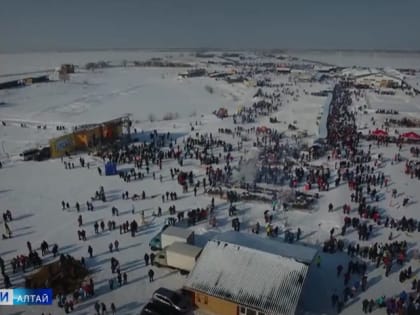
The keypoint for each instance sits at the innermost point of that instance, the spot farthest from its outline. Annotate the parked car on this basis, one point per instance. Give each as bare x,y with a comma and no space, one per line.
157,308
29,155
173,299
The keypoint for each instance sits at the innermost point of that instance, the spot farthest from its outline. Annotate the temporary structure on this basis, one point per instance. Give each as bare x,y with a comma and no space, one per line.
411,135
380,133
263,129
110,168
222,112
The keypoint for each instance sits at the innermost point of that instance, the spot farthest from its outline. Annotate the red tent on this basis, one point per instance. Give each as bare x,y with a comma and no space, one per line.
411,135
262,129
379,133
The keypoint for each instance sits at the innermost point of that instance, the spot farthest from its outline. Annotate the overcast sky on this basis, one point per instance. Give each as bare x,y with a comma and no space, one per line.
28,25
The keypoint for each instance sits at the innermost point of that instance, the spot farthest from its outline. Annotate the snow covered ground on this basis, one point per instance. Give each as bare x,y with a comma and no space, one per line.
34,190
363,58
28,62
91,97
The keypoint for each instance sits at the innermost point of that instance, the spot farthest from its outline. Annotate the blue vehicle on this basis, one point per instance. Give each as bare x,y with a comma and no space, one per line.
156,243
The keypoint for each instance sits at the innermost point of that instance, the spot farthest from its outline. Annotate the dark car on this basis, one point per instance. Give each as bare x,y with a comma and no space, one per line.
29,155
43,154
156,308
172,299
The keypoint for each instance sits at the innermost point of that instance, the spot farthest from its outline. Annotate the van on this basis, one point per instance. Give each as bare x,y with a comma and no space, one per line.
29,155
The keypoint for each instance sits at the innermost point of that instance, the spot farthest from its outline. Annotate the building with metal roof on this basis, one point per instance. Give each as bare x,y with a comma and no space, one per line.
246,274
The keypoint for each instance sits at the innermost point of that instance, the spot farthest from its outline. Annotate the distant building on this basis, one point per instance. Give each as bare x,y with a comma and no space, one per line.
325,69
302,75
244,274
320,76
284,70
67,68
378,80
236,79
23,82
193,73
65,71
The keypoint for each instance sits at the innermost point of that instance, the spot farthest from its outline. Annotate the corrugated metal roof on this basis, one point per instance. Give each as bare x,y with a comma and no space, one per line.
249,276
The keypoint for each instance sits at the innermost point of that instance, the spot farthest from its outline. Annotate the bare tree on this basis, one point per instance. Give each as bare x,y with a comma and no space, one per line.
152,117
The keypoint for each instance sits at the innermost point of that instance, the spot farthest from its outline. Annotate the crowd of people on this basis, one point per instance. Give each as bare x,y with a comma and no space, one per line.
366,184
365,181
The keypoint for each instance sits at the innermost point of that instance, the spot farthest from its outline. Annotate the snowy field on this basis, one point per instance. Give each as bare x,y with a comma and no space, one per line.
33,191
28,62
91,97
363,59
399,101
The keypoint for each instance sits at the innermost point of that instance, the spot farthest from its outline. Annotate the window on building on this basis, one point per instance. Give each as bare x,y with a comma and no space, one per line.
250,312
206,300
198,298
242,311
261,313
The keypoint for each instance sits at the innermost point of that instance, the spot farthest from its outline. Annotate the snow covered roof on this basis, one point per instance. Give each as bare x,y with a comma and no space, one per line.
177,231
357,72
300,253
394,73
251,271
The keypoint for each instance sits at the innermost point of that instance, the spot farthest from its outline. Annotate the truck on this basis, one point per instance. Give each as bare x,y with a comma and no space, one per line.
170,235
178,255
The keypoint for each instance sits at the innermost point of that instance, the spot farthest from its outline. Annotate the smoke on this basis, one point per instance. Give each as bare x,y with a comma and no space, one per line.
248,170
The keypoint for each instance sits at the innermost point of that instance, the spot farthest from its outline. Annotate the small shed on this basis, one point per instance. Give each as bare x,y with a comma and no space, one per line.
176,234
110,168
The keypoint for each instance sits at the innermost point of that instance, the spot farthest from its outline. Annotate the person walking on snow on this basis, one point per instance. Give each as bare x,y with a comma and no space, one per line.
116,244
111,284
113,308
119,279
97,308
103,308
90,251
151,273
146,259
125,278
330,207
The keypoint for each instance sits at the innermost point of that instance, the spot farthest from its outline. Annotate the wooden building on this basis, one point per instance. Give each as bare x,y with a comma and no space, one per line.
252,276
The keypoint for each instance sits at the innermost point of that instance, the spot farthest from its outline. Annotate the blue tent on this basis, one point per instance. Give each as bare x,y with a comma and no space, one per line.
110,168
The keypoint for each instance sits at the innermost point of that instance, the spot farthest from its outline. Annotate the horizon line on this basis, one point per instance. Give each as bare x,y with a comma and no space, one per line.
215,49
